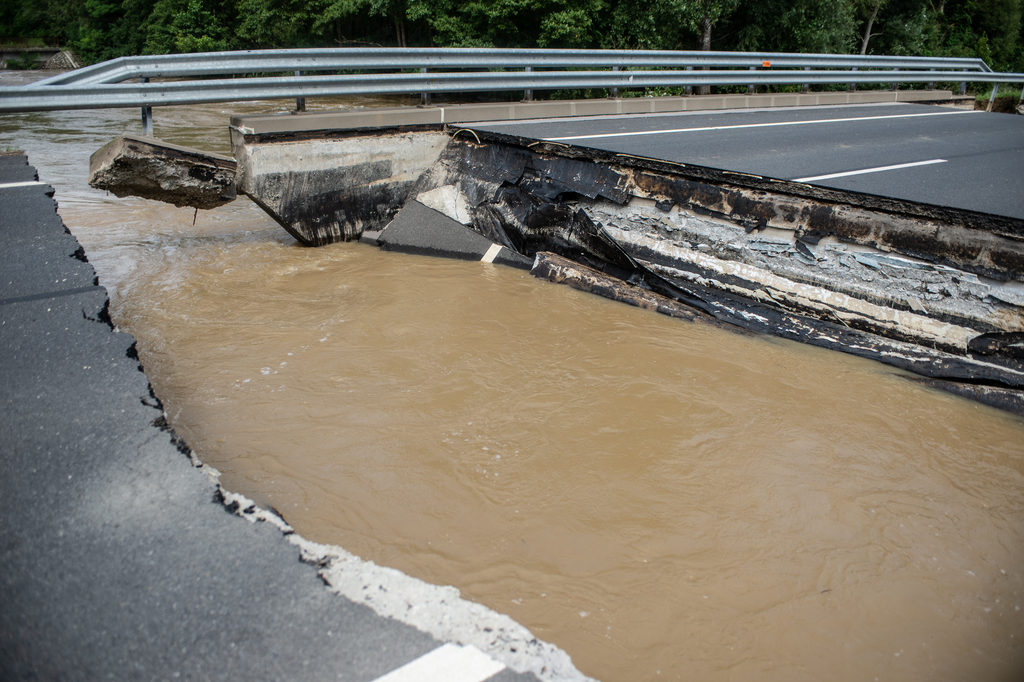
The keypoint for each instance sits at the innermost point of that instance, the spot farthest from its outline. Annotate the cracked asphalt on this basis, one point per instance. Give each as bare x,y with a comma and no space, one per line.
117,561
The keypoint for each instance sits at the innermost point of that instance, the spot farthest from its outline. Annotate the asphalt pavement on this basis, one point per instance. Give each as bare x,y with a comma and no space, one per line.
933,155
118,558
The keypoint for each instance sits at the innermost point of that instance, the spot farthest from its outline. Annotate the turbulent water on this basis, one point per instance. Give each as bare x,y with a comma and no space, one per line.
662,500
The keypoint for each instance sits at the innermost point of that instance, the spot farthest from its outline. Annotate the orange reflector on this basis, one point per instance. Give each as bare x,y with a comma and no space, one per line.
766,64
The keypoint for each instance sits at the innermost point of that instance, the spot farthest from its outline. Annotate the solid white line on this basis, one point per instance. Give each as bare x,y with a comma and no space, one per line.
754,125
447,663
20,184
879,169
491,254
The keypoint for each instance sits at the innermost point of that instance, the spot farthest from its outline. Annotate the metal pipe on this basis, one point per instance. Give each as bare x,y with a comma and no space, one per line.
992,97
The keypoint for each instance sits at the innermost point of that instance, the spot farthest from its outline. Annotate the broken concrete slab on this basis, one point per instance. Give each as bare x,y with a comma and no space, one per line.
330,187
420,229
153,169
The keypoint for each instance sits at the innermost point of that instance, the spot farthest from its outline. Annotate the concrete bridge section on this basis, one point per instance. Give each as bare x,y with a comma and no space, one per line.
937,290
290,164
122,558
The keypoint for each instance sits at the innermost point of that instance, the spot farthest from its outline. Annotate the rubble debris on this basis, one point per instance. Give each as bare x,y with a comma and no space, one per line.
152,169
65,60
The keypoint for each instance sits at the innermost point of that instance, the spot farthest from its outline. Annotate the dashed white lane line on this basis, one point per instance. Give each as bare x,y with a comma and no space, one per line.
447,663
491,254
20,184
754,125
879,169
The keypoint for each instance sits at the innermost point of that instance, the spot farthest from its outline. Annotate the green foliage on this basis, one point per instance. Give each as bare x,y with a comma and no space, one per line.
102,29
196,29
509,23
811,26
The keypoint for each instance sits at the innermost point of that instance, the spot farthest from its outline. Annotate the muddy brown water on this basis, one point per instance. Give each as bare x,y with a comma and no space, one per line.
661,500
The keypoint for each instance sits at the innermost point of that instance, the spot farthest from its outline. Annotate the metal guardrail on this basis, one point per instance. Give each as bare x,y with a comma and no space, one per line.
103,86
243,89
379,59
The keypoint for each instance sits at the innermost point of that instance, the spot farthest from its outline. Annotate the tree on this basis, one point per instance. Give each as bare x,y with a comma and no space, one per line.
872,6
702,15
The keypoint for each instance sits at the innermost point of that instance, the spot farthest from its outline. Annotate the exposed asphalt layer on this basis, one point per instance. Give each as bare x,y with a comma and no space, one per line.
422,230
117,560
983,168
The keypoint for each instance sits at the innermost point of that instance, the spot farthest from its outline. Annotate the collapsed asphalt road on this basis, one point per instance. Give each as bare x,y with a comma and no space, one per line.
120,558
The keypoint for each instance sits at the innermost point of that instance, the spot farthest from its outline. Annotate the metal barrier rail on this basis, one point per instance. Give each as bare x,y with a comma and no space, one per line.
436,59
243,89
102,85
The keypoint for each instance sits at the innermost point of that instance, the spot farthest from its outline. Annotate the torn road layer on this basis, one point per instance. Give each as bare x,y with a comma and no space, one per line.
934,291
153,169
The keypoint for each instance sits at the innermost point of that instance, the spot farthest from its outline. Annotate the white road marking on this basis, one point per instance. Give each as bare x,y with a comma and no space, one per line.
21,184
879,169
491,254
447,663
754,125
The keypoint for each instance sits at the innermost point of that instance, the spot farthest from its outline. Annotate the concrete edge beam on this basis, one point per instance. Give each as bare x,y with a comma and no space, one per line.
521,111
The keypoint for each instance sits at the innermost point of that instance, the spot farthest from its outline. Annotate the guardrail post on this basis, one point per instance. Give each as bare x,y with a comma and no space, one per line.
528,94
147,116
689,88
931,86
894,85
615,91
992,97
806,87
424,96
751,88
300,102
963,88
852,87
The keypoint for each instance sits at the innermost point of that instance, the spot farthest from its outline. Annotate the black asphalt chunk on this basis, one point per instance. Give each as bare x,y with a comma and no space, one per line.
116,559
420,229
15,168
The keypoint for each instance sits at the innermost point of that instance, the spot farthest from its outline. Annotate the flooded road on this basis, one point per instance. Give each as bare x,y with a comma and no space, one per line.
662,500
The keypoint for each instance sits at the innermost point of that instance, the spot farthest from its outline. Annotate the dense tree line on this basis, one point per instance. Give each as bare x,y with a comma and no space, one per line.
103,29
